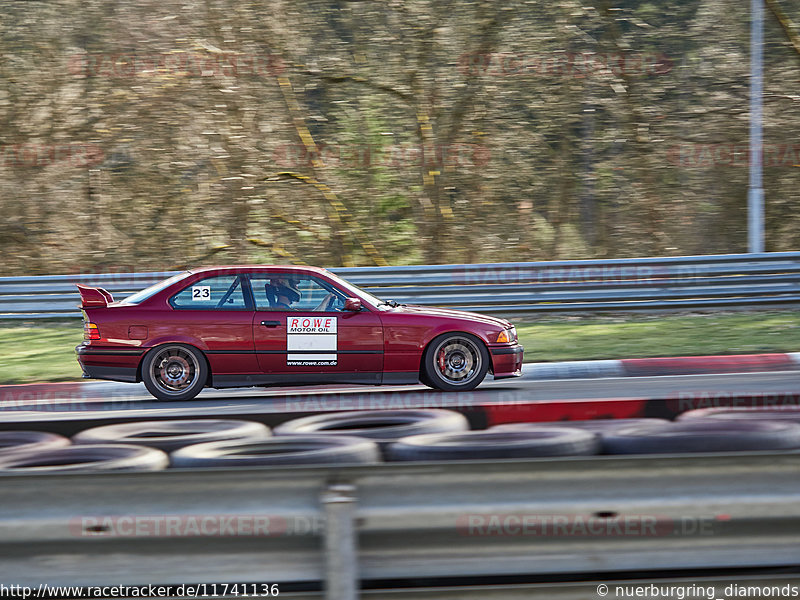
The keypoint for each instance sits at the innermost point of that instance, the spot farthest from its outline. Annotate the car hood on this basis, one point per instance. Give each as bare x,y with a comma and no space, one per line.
451,314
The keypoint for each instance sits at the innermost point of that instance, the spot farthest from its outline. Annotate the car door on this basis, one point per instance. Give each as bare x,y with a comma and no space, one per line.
215,314
314,339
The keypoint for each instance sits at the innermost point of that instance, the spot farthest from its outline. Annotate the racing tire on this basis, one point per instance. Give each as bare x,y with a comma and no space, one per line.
30,441
746,413
107,457
276,451
454,362
703,435
174,372
489,444
173,434
381,426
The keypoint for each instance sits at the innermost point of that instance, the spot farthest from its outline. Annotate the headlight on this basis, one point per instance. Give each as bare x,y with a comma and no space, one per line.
507,336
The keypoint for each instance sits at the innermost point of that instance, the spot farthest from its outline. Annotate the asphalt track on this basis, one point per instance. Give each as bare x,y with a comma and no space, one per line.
134,401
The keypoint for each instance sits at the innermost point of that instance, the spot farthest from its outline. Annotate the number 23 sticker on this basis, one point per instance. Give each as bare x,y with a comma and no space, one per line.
201,292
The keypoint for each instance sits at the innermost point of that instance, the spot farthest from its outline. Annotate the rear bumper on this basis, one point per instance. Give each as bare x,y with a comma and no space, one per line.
507,361
114,364
125,374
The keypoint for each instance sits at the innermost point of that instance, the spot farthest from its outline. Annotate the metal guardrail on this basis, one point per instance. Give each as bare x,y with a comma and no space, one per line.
571,519
735,280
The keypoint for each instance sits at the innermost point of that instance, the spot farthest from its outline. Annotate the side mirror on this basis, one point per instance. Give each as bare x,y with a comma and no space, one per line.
352,304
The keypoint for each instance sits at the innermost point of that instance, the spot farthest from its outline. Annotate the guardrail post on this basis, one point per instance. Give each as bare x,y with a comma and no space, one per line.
341,554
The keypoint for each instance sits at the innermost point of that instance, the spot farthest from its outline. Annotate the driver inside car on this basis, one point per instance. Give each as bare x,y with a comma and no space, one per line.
282,293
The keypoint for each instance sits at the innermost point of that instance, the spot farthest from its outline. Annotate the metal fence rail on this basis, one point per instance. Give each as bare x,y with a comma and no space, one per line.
736,280
570,518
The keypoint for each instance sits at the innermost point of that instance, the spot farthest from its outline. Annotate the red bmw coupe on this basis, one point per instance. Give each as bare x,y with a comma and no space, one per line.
270,325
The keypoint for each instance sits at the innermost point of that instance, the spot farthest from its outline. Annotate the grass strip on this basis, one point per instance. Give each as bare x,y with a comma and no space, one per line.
40,352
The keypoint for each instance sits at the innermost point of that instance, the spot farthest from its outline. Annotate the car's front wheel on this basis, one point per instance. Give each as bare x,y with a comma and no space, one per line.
174,372
455,362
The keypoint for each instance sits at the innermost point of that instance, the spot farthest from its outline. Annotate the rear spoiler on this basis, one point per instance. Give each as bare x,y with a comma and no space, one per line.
94,297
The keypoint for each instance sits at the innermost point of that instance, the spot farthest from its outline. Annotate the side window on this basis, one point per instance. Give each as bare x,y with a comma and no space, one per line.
214,293
284,291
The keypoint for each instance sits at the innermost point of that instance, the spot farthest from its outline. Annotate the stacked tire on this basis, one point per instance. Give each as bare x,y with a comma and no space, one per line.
170,435
412,435
368,437
136,446
286,450
41,452
531,442
708,430
105,457
328,438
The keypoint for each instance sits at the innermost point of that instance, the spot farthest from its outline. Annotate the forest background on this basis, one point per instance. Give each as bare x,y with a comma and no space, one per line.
143,135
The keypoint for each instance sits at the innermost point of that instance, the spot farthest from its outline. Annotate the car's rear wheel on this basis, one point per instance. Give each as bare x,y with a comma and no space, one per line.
455,362
174,372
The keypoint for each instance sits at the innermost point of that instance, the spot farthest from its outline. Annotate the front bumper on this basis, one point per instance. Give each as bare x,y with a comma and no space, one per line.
507,361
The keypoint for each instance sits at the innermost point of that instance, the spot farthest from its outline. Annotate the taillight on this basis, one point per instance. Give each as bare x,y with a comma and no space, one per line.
90,331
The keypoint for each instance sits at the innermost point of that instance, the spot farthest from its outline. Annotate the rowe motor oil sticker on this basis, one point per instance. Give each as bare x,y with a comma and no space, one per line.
311,341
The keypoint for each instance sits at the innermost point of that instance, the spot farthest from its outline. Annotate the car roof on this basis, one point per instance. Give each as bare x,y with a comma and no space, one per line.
260,268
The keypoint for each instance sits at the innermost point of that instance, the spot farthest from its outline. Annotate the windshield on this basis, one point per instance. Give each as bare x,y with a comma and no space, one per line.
146,293
356,291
